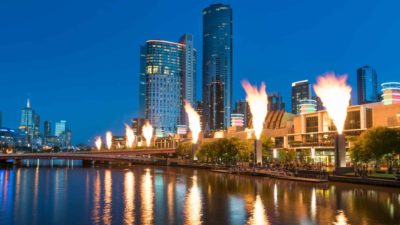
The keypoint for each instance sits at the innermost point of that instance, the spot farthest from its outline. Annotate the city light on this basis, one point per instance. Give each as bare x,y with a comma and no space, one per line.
275,153
109,139
194,121
98,143
335,95
147,133
258,102
130,136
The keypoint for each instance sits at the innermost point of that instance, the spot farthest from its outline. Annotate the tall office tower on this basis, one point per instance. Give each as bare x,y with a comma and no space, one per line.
300,91
217,66
46,128
199,110
367,85
68,137
29,122
188,61
275,102
61,128
142,83
166,65
241,107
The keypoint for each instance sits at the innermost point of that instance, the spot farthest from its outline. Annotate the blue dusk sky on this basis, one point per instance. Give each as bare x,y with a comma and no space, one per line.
79,60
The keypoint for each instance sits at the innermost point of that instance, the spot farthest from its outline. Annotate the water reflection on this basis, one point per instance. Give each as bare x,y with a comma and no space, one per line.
258,215
107,197
313,205
96,199
341,218
193,204
147,197
129,187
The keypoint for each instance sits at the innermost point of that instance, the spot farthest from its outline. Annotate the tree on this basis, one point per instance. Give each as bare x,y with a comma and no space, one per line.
376,143
184,150
267,146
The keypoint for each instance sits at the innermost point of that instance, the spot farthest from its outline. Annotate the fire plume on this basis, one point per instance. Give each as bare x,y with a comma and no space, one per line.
130,136
258,103
194,121
147,131
335,95
98,143
109,139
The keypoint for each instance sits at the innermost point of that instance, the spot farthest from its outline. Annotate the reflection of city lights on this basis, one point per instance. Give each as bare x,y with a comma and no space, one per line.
129,187
259,217
313,204
147,196
341,219
193,205
275,195
107,197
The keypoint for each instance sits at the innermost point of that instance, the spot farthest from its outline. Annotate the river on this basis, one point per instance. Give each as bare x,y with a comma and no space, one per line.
64,192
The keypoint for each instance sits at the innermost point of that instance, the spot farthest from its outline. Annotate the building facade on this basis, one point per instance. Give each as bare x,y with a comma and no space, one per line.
367,85
275,102
29,123
300,90
217,66
167,84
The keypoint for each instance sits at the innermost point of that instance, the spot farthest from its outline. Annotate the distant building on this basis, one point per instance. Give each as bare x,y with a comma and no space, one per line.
137,124
217,66
199,110
275,102
237,120
307,106
391,93
142,82
319,103
166,64
367,85
29,123
241,107
46,128
61,127
300,91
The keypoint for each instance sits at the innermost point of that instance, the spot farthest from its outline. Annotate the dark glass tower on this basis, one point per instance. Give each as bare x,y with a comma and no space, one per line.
300,91
367,85
217,66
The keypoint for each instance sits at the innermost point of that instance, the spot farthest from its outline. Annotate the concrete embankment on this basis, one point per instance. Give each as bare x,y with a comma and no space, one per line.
367,181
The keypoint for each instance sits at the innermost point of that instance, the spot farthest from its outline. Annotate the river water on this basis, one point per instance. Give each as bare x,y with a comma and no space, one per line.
71,194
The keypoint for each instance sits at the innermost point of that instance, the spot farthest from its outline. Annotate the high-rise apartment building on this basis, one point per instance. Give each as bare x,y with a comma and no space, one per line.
217,66
367,85
275,102
169,70
300,91
142,83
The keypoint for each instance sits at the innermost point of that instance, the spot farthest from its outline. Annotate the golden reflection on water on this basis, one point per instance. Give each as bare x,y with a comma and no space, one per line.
341,219
129,201
193,204
313,205
258,216
96,199
147,196
107,197
170,197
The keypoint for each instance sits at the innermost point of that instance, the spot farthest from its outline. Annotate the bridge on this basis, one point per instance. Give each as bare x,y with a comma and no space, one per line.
126,156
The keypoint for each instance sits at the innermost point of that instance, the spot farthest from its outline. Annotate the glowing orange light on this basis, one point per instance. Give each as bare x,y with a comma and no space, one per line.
130,136
147,132
109,139
258,103
98,143
194,121
335,96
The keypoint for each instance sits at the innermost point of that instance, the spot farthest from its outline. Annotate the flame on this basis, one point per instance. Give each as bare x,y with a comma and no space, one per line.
130,136
194,121
249,132
98,143
109,139
147,132
258,102
335,96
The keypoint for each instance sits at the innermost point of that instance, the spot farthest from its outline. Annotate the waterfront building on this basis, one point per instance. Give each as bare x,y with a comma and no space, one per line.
391,93
300,90
217,66
166,64
367,85
275,102
7,136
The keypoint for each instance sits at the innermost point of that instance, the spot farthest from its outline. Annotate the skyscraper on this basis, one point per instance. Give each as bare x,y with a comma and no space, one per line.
29,122
61,128
188,61
217,66
300,91
367,85
275,102
142,83
46,128
166,64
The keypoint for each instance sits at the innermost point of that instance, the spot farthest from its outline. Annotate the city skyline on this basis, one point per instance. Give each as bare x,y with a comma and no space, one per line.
112,94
